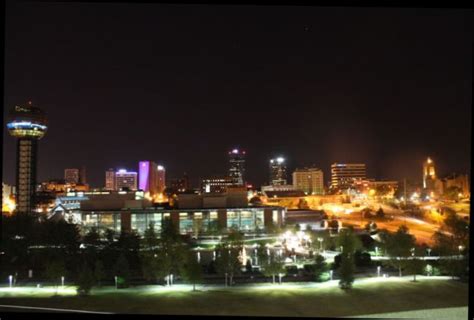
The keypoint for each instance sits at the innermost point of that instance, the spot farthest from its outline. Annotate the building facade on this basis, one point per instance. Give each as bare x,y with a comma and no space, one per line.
110,180
216,184
71,176
429,174
27,124
237,166
277,171
343,175
310,180
151,177
126,180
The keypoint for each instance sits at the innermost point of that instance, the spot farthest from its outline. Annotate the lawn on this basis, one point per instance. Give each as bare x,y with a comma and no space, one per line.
369,296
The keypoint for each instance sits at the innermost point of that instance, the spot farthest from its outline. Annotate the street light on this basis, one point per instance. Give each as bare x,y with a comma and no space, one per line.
62,281
378,271
429,251
10,279
116,278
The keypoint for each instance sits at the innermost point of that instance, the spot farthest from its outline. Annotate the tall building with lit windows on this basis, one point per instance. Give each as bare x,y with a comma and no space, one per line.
71,176
151,177
429,174
277,171
343,175
126,180
237,166
28,124
310,180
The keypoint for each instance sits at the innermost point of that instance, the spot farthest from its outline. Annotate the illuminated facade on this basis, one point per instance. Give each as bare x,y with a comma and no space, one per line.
216,184
8,198
237,166
28,125
110,179
429,174
126,180
277,172
343,175
310,180
151,177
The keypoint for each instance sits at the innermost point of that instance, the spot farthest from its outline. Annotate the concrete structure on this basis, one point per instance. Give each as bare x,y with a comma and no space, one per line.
28,124
237,166
277,172
343,175
126,180
310,180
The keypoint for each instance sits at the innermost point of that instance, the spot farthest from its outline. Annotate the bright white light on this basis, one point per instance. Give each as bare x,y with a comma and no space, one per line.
235,151
161,168
280,159
122,170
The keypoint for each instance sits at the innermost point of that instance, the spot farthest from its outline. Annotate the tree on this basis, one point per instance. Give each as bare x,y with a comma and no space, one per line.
150,238
228,253
99,272
349,243
92,237
122,271
54,271
85,281
320,266
415,265
109,235
380,214
398,247
272,264
192,269
452,193
172,252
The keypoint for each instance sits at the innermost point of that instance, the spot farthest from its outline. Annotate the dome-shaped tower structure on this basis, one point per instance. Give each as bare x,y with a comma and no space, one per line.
28,124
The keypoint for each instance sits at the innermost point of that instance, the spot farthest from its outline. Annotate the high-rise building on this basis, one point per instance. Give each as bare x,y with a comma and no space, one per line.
310,180
429,174
28,124
126,180
237,166
277,171
161,178
110,180
82,175
180,185
343,175
71,176
151,177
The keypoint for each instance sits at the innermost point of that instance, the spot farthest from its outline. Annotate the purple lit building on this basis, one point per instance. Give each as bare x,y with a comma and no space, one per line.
151,177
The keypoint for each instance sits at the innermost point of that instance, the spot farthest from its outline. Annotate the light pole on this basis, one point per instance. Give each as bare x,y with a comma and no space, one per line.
279,276
62,281
376,251
116,278
429,251
378,271
320,244
330,273
10,280
226,279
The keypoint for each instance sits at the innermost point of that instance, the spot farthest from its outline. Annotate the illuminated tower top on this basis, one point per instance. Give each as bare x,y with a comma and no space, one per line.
428,171
27,122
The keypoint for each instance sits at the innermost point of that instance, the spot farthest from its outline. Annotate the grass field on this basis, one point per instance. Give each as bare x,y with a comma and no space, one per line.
369,296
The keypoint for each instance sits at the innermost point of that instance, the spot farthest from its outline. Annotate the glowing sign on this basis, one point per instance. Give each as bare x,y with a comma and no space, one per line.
25,125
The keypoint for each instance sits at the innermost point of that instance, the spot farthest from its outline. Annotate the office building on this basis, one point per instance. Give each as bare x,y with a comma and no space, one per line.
71,176
151,177
277,171
237,166
216,184
110,180
343,175
310,180
82,175
28,124
180,185
126,180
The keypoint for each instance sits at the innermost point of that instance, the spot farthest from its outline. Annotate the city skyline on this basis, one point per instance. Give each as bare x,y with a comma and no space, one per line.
373,104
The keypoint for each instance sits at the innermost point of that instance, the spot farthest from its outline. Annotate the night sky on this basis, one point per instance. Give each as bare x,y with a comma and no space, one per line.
184,84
